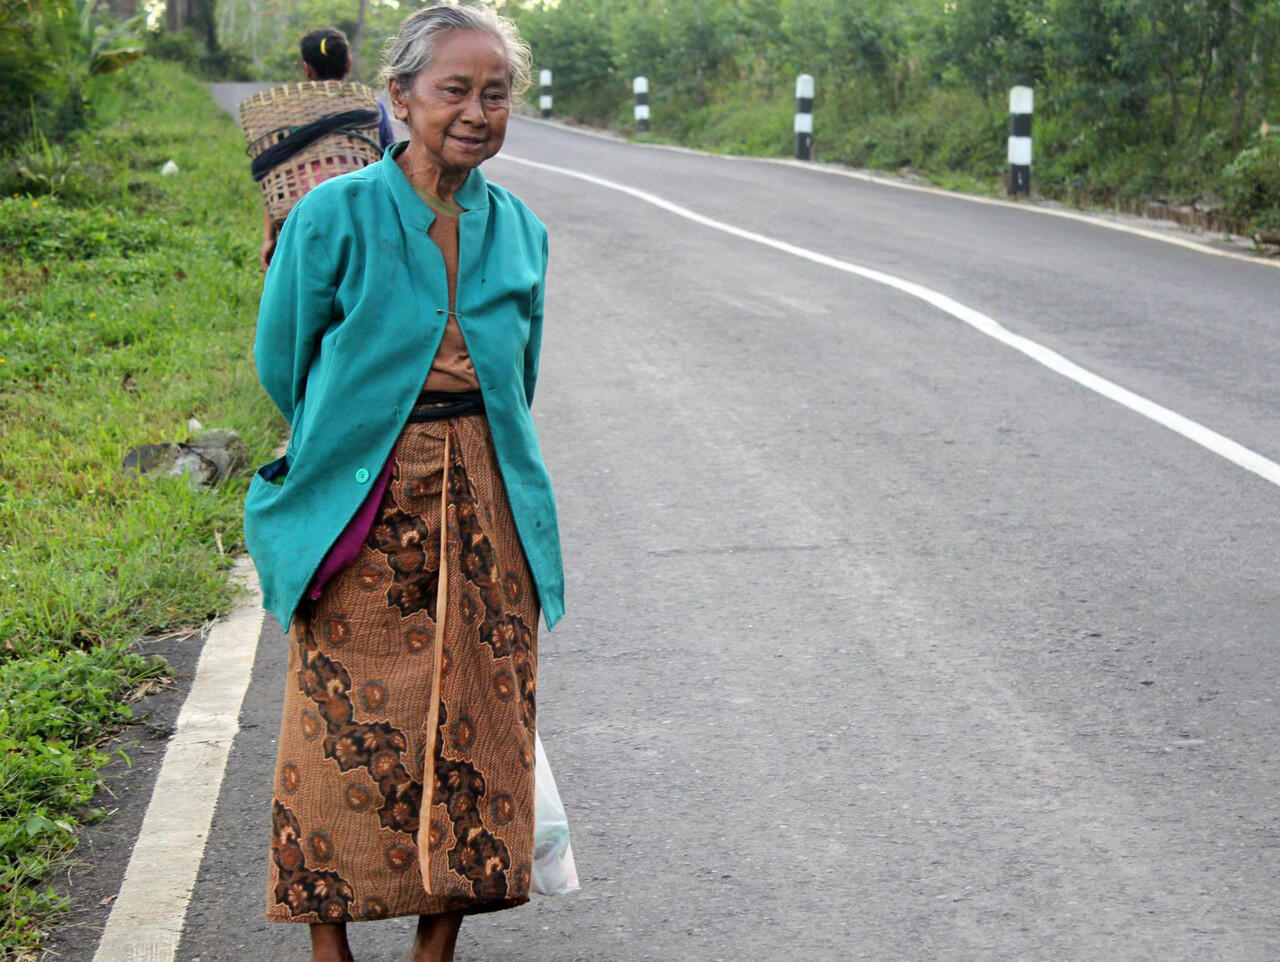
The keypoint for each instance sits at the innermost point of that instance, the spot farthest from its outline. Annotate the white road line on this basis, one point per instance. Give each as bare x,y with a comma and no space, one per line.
146,919
1193,431
1095,220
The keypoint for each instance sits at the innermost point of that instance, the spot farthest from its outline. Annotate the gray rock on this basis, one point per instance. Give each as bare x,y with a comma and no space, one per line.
225,448
171,460
211,456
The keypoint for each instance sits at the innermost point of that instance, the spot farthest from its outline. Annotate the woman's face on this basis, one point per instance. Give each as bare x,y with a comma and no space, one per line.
457,108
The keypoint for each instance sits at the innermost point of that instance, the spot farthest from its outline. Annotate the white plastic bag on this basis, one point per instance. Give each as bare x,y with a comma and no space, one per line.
553,870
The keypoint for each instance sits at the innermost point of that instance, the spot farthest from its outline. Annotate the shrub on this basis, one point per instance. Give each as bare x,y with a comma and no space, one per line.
184,47
1252,183
47,231
27,84
945,131
226,64
181,46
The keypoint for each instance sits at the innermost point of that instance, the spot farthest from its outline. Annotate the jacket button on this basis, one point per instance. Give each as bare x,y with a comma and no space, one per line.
362,475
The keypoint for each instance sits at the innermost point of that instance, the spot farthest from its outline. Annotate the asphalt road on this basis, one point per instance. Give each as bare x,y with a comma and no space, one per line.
228,95
884,642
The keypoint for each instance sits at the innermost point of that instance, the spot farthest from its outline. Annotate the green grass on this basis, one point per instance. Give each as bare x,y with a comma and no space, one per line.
129,302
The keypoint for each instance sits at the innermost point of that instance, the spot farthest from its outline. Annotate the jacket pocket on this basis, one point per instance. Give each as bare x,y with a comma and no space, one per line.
274,472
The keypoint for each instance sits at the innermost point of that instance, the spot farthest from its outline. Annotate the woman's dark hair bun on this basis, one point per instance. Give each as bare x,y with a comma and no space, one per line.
328,53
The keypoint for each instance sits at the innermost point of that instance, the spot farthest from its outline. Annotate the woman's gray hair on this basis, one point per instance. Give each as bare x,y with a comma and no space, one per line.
412,49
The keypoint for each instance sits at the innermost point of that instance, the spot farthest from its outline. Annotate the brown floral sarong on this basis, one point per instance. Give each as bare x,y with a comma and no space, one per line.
379,702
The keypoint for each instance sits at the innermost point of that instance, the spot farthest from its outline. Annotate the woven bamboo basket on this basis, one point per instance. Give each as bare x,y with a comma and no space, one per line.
271,115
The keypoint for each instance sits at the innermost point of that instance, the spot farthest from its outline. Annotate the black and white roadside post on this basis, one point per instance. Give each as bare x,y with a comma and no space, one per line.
804,117
640,87
544,98
1020,100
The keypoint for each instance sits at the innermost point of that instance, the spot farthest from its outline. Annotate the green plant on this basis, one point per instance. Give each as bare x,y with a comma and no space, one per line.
184,47
106,48
55,704
1252,182
39,166
50,231
30,82
180,46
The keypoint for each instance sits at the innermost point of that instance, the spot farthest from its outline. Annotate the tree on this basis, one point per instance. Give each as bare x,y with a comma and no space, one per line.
573,41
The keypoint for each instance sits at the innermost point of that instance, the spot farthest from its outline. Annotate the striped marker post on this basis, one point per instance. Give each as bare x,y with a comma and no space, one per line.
804,116
1020,101
640,87
544,99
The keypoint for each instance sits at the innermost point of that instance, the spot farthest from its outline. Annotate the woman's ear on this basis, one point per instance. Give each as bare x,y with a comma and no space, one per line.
399,106
309,70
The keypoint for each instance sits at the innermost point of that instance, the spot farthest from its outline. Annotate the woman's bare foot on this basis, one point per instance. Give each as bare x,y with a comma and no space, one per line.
329,942
436,937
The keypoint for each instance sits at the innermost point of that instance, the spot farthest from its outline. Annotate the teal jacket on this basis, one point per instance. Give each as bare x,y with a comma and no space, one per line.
352,313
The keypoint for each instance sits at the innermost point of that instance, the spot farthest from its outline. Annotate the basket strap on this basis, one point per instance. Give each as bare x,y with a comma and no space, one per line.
303,137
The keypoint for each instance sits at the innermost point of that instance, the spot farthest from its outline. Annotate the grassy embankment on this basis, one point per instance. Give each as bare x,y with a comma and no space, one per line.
128,307
951,139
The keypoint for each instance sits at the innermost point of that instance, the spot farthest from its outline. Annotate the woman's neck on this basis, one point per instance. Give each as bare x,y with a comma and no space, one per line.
429,177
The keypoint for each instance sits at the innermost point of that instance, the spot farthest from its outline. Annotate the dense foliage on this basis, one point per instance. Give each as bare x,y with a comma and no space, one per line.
1133,97
54,52
127,307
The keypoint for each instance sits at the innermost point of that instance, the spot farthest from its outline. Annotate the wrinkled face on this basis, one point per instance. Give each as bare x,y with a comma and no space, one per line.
457,108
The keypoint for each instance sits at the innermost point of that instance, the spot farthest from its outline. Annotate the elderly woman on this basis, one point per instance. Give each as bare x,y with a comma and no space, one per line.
408,536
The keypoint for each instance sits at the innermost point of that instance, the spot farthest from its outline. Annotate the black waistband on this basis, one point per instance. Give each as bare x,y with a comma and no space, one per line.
442,405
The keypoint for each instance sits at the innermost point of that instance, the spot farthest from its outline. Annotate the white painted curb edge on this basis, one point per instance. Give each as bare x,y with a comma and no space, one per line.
146,919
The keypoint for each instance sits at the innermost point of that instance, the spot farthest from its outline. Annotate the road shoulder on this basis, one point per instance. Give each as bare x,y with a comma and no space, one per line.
131,877
92,873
